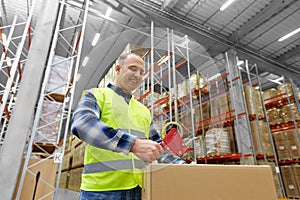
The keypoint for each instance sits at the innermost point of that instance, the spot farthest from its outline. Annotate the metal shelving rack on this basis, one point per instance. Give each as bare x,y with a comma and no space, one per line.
62,105
40,141
254,79
14,55
164,72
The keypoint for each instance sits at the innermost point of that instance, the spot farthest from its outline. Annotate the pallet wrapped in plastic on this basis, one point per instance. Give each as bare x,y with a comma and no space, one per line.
217,142
49,123
58,78
198,148
182,90
203,84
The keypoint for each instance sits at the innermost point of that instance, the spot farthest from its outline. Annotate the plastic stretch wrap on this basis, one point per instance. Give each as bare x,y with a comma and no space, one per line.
198,148
57,82
217,142
49,123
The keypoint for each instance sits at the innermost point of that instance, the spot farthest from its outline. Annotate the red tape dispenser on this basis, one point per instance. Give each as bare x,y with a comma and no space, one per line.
173,143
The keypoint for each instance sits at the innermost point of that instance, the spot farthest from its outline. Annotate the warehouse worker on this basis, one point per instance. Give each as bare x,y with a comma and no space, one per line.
119,135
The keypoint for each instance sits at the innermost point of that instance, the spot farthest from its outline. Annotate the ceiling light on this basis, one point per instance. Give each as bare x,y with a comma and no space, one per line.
8,61
96,38
3,37
225,5
289,35
108,12
240,62
85,60
163,59
214,77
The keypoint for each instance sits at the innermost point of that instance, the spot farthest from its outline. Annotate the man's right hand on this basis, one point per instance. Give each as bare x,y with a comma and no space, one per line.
147,150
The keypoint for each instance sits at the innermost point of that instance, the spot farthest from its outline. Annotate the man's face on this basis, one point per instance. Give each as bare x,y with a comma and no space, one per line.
130,74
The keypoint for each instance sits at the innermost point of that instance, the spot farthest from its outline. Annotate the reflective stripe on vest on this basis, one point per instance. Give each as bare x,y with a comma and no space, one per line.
136,133
113,165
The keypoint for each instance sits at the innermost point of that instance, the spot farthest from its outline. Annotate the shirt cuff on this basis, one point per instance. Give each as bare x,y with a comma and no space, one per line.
129,140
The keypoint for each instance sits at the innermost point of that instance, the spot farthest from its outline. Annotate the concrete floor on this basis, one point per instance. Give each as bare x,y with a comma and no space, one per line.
67,194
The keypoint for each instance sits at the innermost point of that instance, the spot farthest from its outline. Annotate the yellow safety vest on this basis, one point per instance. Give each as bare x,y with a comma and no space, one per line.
106,170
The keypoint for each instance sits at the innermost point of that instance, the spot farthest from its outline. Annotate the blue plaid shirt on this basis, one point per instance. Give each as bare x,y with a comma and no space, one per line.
87,126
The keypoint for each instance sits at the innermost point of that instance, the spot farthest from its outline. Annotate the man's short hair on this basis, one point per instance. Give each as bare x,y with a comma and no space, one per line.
123,57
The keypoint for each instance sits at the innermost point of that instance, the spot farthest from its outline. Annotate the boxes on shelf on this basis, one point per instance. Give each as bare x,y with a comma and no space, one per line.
281,146
289,181
213,182
287,145
231,137
78,155
224,104
220,109
45,183
217,142
275,176
253,101
67,161
274,116
75,179
260,129
269,95
296,170
286,113
281,88
205,120
292,143
64,179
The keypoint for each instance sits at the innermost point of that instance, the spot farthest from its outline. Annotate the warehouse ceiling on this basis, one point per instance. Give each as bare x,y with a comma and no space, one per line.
250,27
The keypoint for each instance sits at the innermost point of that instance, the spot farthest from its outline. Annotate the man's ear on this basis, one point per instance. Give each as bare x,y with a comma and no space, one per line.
118,69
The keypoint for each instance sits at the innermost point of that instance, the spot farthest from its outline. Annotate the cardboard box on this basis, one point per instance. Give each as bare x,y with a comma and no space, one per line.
213,182
46,181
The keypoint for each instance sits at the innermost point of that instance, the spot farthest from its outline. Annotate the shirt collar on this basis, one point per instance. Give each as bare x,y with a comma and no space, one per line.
120,92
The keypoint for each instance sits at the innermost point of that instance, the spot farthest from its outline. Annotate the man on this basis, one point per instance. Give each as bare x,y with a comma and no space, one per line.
119,133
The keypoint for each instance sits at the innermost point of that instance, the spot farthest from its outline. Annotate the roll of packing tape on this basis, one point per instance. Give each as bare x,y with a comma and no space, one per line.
167,127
